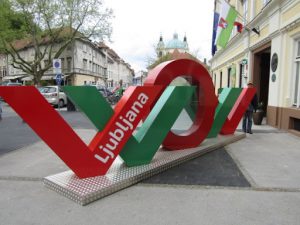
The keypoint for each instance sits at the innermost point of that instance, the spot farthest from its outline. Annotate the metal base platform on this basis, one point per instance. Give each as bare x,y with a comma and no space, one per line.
85,191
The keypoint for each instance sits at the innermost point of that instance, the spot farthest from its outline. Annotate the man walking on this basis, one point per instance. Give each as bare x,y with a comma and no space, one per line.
247,119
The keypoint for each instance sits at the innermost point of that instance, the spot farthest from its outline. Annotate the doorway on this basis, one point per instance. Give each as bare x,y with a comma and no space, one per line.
261,74
242,76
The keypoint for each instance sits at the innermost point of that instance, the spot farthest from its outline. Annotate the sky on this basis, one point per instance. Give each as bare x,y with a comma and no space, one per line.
137,25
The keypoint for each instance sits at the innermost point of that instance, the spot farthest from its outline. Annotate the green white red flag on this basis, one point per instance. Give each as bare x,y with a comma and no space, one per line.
227,18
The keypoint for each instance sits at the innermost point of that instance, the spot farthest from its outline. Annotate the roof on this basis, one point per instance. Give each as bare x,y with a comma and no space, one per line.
175,43
114,55
110,52
28,42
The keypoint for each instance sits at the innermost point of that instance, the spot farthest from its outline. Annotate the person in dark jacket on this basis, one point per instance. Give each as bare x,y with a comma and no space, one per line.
247,119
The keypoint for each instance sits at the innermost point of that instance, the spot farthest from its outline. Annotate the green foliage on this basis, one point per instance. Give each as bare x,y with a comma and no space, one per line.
164,58
42,24
12,24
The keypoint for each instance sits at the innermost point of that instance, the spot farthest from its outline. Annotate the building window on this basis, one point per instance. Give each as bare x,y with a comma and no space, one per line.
228,77
85,64
2,71
221,79
105,72
69,63
46,62
62,63
109,74
296,88
69,47
94,68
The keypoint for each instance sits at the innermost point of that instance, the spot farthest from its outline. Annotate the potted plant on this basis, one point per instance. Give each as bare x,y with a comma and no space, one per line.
258,115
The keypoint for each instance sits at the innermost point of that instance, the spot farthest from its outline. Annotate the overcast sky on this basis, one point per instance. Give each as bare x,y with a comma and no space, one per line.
138,24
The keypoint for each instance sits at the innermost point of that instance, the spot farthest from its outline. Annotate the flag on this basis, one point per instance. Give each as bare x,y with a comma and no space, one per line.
215,27
239,26
223,23
227,18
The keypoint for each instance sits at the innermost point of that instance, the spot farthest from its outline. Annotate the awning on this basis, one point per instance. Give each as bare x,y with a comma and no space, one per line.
48,77
52,77
28,78
12,77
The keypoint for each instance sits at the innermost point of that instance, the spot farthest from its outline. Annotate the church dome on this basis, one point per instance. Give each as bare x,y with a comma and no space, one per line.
175,43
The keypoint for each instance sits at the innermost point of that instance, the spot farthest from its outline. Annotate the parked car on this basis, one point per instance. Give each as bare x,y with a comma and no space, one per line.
54,95
104,91
11,84
111,97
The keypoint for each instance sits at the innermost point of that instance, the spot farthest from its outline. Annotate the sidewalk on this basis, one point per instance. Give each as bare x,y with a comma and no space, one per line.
269,159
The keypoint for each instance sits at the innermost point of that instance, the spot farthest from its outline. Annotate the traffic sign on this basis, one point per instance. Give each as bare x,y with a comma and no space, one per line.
58,78
56,63
56,66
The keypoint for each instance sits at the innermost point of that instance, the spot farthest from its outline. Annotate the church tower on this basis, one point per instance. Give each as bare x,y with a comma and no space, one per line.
160,47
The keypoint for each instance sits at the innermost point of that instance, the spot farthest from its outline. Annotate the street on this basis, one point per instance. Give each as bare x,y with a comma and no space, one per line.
15,134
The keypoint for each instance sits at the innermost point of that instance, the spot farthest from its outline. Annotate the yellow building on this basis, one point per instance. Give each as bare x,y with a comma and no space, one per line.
269,57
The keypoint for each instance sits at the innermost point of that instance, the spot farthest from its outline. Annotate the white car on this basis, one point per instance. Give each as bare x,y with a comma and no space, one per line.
11,84
54,95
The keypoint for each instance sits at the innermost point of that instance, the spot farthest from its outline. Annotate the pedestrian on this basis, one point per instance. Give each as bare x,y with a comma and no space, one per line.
248,116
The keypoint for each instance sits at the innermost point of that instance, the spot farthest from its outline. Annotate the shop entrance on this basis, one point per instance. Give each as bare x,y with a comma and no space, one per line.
261,74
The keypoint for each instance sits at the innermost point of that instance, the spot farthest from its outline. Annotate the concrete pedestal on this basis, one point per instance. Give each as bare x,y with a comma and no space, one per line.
85,191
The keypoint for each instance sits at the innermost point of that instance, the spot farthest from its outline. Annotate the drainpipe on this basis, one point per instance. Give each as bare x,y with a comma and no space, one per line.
248,66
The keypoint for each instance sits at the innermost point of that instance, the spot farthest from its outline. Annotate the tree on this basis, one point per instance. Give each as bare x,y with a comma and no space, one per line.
154,62
50,27
11,24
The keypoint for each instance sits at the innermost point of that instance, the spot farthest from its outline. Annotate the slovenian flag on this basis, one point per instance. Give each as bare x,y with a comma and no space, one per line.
226,22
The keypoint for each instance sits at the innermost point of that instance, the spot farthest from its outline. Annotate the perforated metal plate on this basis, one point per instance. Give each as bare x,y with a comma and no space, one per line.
85,191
